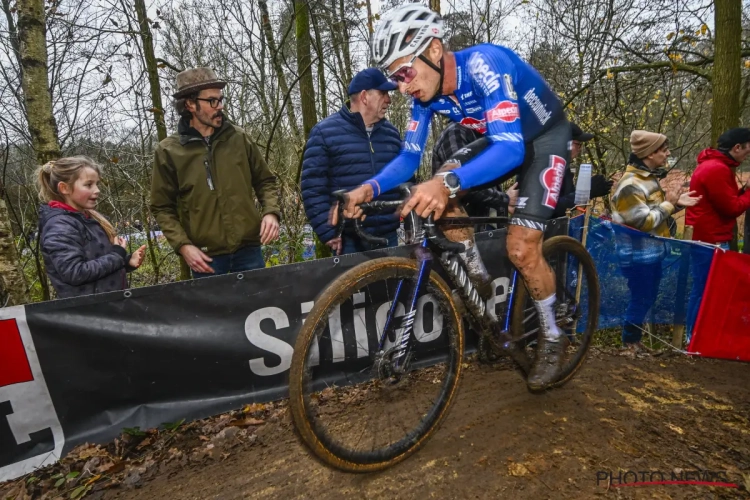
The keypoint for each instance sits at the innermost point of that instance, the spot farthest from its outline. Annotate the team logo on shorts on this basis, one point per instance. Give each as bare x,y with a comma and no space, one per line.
474,124
504,111
551,179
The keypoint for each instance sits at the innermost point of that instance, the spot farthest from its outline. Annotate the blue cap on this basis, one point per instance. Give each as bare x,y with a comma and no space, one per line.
370,79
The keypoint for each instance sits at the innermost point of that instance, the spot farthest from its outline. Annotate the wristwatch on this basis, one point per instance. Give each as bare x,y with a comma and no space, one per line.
451,182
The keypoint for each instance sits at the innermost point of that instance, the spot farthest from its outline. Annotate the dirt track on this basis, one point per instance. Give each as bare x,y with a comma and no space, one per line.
654,414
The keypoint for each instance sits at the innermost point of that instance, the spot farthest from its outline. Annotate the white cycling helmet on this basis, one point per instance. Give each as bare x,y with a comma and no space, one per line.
404,31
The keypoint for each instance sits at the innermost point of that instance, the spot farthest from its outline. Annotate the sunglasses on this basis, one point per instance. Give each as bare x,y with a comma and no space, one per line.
406,72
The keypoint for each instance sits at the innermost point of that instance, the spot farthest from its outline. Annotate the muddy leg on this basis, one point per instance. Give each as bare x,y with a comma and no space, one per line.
525,252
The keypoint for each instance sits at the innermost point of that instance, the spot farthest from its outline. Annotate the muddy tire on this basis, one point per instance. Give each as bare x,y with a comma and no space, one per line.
313,410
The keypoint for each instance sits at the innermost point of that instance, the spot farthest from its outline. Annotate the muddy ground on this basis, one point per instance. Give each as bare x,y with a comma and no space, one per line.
669,414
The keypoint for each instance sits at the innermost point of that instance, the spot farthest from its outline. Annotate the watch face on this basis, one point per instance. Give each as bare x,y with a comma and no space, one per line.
452,180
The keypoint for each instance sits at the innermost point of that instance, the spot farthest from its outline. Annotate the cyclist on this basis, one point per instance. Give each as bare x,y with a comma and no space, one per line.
487,87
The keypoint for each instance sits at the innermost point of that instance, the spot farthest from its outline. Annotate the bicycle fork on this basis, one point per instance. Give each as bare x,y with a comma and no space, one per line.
400,353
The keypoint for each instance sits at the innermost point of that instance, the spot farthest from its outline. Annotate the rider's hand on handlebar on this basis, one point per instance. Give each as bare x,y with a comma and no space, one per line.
430,197
354,198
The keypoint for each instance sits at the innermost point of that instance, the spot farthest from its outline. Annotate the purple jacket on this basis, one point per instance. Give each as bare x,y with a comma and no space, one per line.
78,255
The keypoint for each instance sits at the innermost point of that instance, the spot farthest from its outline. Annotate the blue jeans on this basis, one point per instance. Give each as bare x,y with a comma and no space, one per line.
643,283
244,259
352,244
699,267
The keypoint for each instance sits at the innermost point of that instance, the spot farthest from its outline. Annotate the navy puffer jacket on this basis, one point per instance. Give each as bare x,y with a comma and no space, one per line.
78,255
340,155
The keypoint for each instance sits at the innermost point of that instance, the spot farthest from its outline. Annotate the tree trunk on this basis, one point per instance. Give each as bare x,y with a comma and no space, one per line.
345,42
337,44
152,70
15,289
370,29
725,112
32,47
304,61
321,69
36,93
283,86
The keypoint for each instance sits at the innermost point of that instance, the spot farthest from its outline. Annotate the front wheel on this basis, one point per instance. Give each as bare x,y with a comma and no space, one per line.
350,407
577,307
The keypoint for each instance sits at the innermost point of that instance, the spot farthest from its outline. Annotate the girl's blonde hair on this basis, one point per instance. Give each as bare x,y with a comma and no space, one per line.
67,170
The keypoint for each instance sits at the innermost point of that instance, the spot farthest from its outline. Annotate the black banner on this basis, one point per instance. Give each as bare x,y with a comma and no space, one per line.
146,356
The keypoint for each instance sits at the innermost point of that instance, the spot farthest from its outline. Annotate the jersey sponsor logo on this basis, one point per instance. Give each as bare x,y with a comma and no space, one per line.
466,95
412,147
444,111
488,80
537,106
552,179
413,126
510,92
474,124
521,203
504,111
474,109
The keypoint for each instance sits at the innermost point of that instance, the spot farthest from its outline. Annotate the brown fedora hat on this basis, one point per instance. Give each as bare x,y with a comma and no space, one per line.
196,79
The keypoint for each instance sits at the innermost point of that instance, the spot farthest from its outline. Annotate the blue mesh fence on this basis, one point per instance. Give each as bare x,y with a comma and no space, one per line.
658,269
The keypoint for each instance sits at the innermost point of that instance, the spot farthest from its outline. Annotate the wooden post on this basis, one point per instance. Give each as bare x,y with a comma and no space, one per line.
584,237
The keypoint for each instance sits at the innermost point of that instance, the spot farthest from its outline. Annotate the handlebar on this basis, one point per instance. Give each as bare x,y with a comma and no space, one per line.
434,234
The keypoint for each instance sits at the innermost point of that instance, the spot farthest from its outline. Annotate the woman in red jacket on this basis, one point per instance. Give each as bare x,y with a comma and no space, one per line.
714,217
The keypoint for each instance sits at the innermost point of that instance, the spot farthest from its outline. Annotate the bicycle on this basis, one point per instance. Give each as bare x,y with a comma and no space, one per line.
419,350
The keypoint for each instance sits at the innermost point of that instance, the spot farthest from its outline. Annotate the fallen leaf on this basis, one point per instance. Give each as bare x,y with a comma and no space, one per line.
517,470
246,422
144,443
93,480
254,408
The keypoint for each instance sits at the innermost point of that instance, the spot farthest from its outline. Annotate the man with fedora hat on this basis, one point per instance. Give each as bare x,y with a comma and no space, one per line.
344,150
203,182
640,203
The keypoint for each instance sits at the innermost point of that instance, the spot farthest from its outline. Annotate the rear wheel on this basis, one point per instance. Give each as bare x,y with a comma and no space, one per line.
349,406
577,318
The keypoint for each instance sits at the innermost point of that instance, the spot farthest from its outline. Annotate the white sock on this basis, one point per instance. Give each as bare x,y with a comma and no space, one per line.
546,310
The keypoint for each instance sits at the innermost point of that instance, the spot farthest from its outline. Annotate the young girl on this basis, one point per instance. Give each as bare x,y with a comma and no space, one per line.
82,253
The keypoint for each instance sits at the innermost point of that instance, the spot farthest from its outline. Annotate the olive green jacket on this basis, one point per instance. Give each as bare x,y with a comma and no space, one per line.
202,191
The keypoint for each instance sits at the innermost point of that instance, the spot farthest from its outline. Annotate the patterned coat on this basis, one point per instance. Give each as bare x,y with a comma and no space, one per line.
640,202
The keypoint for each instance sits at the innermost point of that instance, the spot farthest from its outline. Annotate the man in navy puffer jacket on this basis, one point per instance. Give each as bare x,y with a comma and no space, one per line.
343,151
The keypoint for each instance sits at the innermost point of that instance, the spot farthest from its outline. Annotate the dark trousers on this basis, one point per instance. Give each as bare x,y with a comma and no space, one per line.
643,283
244,259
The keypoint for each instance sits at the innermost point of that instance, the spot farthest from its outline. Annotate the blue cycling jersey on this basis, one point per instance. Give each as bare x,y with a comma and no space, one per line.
497,94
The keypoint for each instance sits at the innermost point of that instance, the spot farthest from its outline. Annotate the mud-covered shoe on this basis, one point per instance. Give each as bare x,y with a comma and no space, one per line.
548,363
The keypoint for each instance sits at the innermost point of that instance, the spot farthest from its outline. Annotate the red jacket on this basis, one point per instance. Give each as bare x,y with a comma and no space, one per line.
713,218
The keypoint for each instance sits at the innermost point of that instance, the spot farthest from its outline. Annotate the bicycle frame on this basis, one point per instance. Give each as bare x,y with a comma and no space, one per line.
456,270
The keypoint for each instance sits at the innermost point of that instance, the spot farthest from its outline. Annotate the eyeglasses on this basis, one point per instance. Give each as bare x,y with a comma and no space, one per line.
212,101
